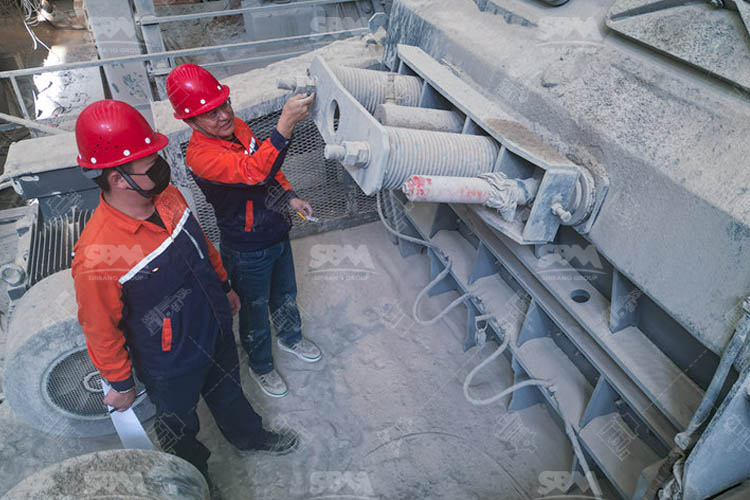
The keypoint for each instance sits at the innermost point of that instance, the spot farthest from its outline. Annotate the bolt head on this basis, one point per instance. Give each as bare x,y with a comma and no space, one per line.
357,154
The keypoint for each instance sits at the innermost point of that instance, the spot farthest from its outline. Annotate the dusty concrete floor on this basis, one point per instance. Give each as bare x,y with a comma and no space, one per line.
382,415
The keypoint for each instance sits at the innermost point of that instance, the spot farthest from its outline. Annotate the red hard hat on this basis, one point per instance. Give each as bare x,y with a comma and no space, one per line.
111,133
192,91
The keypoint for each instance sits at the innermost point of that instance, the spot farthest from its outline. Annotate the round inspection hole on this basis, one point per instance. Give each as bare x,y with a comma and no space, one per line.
334,115
580,296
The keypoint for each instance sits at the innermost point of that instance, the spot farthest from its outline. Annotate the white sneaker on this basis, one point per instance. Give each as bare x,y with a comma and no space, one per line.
271,383
305,349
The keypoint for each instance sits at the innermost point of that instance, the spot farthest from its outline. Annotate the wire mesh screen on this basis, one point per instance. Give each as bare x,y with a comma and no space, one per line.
74,386
336,199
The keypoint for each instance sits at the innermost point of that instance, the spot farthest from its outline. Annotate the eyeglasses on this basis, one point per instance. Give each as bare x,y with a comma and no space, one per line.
213,115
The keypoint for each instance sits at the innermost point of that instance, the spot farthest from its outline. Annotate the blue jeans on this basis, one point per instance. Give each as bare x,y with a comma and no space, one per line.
265,281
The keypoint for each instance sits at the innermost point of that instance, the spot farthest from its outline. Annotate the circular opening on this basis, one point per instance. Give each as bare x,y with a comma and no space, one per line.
73,386
580,296
334,115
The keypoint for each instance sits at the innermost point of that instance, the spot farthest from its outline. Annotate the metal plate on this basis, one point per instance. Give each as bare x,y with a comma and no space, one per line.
713,39
354,124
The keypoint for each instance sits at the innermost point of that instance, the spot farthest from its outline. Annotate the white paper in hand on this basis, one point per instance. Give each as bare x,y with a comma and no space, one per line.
128,427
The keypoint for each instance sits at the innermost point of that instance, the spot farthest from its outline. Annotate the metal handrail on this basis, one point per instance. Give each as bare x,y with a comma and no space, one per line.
252,59
150,19
32,124
179,53
160,70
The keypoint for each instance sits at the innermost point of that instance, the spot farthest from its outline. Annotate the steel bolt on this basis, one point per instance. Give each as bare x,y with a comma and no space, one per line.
298,85
334,152
349,153
563,214
286,83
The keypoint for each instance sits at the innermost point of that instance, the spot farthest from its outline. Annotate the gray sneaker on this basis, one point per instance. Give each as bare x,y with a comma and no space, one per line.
305,349
271,383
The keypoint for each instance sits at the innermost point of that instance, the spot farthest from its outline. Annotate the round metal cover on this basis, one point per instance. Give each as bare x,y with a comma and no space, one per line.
73,385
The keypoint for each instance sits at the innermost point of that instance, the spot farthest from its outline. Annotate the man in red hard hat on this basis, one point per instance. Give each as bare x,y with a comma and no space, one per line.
242,179
152,292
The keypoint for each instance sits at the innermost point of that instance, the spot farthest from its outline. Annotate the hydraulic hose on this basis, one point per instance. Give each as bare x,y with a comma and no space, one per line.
439,316
593,484
405,237
440,254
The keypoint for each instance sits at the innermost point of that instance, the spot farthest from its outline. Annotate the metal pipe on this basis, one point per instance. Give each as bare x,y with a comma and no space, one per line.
687,438
439,120
19,97
32,124
177,53
230,62
146,20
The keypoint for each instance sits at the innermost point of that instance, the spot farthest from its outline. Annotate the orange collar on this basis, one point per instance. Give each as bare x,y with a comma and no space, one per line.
131,224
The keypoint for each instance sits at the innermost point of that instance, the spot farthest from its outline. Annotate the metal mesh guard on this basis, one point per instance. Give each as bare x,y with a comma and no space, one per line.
334,196
73,385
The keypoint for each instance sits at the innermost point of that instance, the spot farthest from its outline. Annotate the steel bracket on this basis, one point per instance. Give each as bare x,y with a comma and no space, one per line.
340,117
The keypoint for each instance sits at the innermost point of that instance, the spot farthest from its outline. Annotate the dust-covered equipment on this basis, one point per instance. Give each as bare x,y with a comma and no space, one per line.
587,201
48,378
115,474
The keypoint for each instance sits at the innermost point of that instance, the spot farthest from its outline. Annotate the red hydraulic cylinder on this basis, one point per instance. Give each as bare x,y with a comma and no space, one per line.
443,189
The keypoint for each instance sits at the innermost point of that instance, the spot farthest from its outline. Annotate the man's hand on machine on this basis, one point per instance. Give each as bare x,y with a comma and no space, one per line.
296,109
120,401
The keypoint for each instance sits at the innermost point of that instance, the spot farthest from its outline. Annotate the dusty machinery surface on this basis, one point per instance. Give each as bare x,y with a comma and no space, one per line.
575,172
586,195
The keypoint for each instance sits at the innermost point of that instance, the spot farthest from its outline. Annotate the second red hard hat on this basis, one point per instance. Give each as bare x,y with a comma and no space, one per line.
193,90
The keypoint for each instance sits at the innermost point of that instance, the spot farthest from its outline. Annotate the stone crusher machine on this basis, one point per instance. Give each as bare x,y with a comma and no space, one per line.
586,196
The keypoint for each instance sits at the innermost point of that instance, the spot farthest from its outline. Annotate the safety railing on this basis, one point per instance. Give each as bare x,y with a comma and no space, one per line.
162,61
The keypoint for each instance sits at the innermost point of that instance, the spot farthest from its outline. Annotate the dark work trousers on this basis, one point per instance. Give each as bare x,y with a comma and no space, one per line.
264,280
176,399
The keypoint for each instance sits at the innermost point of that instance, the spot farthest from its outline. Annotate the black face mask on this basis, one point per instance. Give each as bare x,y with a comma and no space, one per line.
159,173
